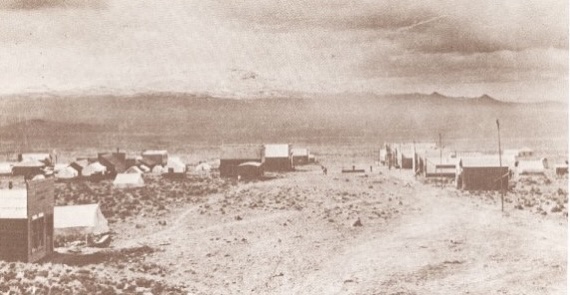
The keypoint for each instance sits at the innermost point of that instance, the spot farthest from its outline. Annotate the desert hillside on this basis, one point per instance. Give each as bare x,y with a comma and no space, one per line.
164,120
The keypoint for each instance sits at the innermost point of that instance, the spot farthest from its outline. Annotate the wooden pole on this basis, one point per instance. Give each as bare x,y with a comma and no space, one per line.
501,165
440,151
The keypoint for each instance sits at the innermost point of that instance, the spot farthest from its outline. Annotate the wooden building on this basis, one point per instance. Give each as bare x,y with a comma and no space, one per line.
152,158
114,162
26,221
233,156
278,157
28,169
250,170
482,174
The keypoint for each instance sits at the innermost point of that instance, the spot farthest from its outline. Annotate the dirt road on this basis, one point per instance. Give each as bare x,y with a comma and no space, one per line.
415,239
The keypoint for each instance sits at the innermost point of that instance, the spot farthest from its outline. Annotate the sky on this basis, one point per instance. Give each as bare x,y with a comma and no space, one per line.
513,50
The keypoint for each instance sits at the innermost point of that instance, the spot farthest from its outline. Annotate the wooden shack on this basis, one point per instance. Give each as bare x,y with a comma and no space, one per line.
26,221
482,174
232,156
278,157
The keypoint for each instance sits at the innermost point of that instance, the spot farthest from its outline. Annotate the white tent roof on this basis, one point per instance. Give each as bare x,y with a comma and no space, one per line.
58,167
531,167
93,168
89,218
276,151
134,169
157,169
14,204
5,168
203,167
175,162
66,173
128,180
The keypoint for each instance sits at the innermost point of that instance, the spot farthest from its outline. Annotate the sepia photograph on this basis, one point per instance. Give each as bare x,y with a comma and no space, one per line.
284,147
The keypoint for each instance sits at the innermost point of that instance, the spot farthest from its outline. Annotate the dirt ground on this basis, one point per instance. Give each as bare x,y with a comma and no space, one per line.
379,232
297,235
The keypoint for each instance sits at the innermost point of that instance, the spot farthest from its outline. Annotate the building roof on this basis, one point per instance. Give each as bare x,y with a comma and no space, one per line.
30,164
13,204
277,150
483,161
35,156
300,152
244,152
155,152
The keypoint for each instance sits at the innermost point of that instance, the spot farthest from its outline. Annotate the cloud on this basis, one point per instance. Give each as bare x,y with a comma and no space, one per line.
299,45
43,4
425,26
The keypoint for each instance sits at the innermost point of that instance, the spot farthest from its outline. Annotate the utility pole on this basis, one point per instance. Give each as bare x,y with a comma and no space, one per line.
501,166
440,150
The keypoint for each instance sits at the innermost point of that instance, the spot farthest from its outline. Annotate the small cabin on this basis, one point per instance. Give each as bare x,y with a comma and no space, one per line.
26,220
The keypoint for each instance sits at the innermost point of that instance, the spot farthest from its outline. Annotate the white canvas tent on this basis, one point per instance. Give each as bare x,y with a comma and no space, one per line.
134,169
175,165
58,167
128,180
203,167
536,167
5,168
158,169
66,173
144,168
93,168
79,219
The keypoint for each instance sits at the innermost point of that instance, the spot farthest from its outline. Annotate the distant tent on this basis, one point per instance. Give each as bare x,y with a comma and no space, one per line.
58,167
132,180
93,168
66,173
203,167
79,219
134,169
531,167
144,168
39,177
157,169
175,165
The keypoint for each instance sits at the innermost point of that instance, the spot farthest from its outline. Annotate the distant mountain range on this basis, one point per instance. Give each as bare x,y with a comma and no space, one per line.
164,120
